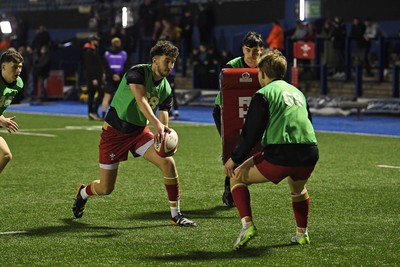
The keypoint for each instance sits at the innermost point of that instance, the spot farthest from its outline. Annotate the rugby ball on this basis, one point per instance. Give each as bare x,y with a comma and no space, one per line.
168,145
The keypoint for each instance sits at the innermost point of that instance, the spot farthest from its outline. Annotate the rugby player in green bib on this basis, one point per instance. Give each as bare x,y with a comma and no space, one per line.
142,91
278,115
10,84
252,47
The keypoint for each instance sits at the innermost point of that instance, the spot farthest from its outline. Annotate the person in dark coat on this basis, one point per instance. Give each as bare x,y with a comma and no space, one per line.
41,71
95,76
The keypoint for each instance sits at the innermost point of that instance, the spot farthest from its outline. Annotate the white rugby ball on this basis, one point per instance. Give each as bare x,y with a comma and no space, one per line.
168,145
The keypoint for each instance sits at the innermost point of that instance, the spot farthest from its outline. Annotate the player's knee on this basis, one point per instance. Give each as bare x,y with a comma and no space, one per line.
237,178
241,176
167,164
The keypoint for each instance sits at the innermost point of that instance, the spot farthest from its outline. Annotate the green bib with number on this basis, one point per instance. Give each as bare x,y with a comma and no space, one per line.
288,117
125,103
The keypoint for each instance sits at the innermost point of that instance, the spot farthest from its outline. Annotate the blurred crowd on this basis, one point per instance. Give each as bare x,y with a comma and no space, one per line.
149,23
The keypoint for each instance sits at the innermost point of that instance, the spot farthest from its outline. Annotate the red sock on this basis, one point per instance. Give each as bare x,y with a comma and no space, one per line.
241,196
173,192
88,190
301,208
172,186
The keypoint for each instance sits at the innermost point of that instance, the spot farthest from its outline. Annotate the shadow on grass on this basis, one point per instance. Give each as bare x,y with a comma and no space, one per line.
199,213
249,252
71,225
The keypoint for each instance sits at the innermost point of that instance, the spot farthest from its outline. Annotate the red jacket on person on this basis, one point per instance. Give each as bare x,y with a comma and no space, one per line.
275,39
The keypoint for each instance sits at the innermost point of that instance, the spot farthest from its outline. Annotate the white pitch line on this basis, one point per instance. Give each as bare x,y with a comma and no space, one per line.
73,128
357,133
390,167
36,134
13,233
32,134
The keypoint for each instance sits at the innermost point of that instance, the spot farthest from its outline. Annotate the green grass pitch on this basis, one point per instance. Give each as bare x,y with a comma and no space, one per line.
354,218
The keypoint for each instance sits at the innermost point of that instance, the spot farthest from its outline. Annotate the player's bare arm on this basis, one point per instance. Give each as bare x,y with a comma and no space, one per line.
163,117
9,123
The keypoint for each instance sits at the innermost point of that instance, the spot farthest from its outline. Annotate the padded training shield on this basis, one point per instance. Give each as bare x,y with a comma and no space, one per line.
237,87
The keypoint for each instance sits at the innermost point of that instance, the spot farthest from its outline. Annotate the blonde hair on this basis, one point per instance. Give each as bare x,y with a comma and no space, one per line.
116,41
273,63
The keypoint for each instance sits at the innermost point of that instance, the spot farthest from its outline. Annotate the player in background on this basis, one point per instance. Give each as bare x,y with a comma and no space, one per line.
93,66
10,84
116,66
142,90
252,48
278,115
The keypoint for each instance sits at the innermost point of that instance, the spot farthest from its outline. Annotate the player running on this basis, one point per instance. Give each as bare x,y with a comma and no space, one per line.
10,84
278,115
142,90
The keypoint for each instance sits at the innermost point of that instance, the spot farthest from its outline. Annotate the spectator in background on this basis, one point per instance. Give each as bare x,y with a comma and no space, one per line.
213,56
168,32
339,34
186,24
328,57
205,23
200,55
117,32
157,30
371,33
41,38
200,62
41,71
226,56
276,37
310,27
95,76
117,64
147,17
357,31
300,32
128,37
212,67
5,44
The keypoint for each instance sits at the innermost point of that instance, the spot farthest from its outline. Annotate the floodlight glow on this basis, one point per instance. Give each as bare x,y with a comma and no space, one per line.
5,27
67,44
301,10
124,17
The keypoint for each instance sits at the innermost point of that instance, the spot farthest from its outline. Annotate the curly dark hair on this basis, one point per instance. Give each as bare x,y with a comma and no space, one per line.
164,48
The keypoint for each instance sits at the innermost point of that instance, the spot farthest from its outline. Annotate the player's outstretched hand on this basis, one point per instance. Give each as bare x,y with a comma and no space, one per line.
9,124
